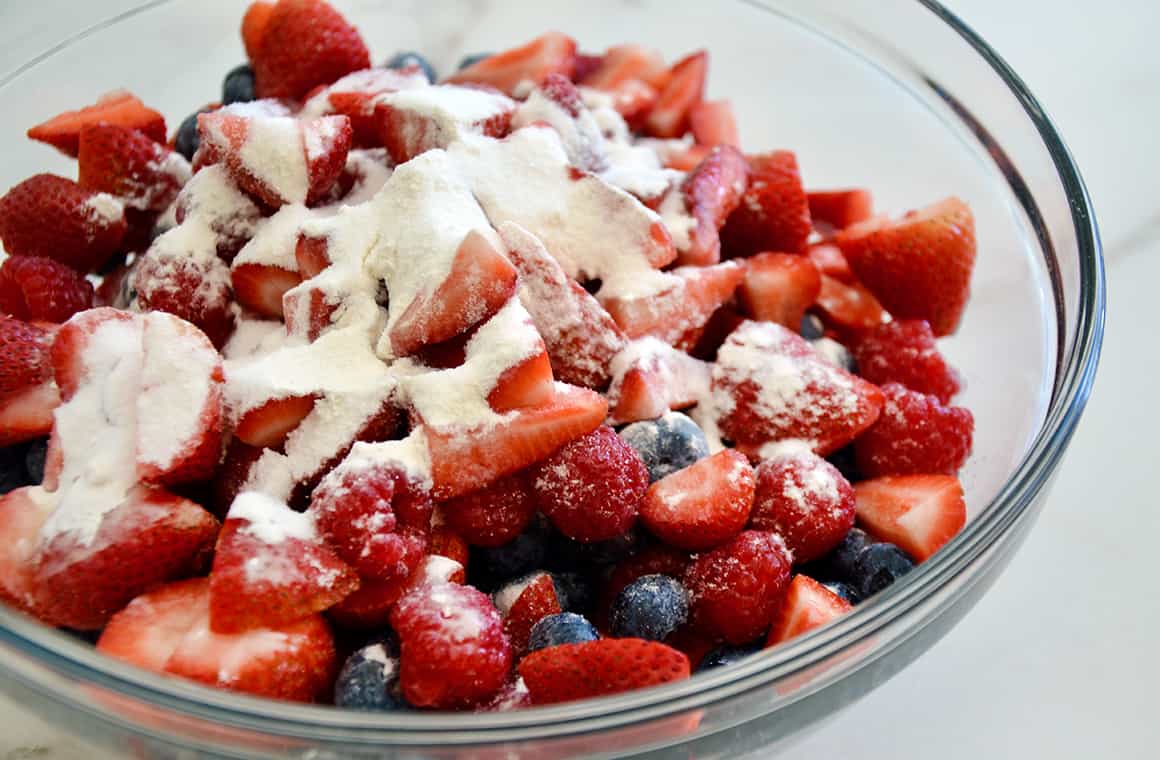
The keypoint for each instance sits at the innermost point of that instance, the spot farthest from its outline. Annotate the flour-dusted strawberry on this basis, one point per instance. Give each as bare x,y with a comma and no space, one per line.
167,630
736,589
38,289
649,378
839,209
304,43
214,199
918,513
537,600
268,424
683,300
915,434
528,383
557,102
120,108
703,342
713,123
27,415
703,505
918,266
494,514
711,192
633,99
454,652
53,217
261,287
685,88
807,605
779,287
233,472
904,351
849,306
25,360
596,668
830,261
21,516
550,53
192,285
624,63
774,214
416,120
804,499
770,385
356,94
128,164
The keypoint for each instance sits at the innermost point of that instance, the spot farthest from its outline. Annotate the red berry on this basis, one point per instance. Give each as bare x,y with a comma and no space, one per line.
591,489
804,499
904,351
194,287
915,435
121,161
24,355
304,43
54,217
736,589
595,668
34,288
494,515
774,213
702,505
536,601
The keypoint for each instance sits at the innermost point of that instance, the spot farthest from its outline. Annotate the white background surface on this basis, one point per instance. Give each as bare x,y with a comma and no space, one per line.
1059,659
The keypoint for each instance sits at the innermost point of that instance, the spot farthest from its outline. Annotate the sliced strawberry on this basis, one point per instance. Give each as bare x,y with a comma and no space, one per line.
550,53
904,351
736,589
918,513
232,475
261,287
634,100
120,108
167,630
570,672
779,287
703,342
22,513
212,197
193,284
254,26
335,48
804,499
774,215
27,415
529,383
829,260
713,123
309,310
356,94
807,605
25,360
916,434
464,460
267,425
69,362
53,217
711,192
624,63
124,162
649,378
558,103
536,601
414,121
685,88
369,607
849,306
687,299
688,159
312,255
841,208
919,266
493,515
703,505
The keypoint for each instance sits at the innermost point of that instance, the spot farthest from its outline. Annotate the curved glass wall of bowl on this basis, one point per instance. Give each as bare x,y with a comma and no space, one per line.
895,95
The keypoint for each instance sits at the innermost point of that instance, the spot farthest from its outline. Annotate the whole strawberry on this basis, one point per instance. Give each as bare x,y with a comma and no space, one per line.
34,288
126,163
305,43
50,216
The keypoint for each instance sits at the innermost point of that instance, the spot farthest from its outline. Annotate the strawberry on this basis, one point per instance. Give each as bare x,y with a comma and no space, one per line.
528,383
711,192
685,88
596,668
261,287
687,159
356,96
687,300
919,266
770,385
271,567
254,26
124,162
774,214
119,107
591,489
840,208
309,310
447,545
34,288
24,355
849,306
536,601
53,217
27,415
214,198
167,630
633,100
704,342
303,44
703,505
183,283
550,53
779,287
152,536
830,262
650,378
21,516
713,123
918,513
232,475
915,434
369,607
904,351
268,424
736,589
464,460
624,63
415,121
480,282
493,515
454,652
804,499
807,605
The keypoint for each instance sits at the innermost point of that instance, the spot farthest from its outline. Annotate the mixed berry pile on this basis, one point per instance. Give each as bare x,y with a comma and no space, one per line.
521,386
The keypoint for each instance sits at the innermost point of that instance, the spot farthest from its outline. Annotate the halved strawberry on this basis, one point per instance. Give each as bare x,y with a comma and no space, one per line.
841,208
686,160
268,424
261,287
283,70
650,377
713,123
774,215
807,605
232,475
703,505
849,306
254,26
918,513
916,434
25,360
685,88
711,192
119,107
309,310
918,266
633,100
417,120
167,631
27,415
829,260
463,460
597,668
703,342
550,53
687,299
779,287
124,162
904,351
624,63
312,255
536,601
22,513
529,383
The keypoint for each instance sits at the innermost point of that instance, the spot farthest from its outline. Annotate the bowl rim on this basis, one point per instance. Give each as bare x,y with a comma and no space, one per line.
1075,375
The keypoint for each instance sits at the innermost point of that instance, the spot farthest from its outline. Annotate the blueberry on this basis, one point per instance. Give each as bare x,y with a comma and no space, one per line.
812,327
651,607
238,86
470,60
726,655
369,679
12,469
561,628
410,58
879,566
835,353
575,591
492,566
839,564
34,460
187,138
844,590
670,443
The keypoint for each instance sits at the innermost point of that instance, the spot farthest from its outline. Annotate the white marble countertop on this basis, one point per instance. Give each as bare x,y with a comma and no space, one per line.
1058,659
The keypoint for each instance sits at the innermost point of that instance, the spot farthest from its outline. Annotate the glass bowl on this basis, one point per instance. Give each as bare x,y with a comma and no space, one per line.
896,95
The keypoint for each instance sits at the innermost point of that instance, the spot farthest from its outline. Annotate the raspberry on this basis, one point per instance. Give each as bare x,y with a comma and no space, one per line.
915,435
591,488
24,355
195,288
905,352
34,288
736,589
804,499
494,515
